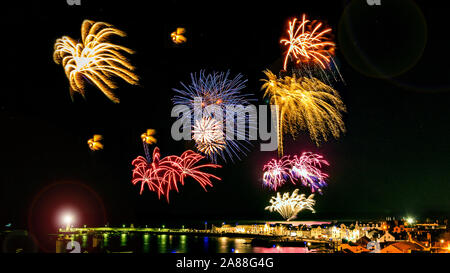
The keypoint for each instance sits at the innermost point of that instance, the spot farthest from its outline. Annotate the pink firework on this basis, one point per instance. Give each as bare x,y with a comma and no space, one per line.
163,175
307,169
276,172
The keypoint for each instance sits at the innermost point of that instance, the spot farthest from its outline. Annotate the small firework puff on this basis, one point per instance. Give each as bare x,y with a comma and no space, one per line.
149,136
95,59
94,143
163,175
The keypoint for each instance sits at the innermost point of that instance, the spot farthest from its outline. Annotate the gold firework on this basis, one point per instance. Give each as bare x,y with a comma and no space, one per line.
94,59
149,136
304,104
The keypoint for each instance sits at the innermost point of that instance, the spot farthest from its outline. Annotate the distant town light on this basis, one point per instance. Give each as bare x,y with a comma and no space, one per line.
410,220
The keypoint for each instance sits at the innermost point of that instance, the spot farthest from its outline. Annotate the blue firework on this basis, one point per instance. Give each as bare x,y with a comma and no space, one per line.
215,102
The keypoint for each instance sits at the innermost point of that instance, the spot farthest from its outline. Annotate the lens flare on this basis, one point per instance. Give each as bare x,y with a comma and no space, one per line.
149,136
306,168
178,37
289,205
95,59
304,104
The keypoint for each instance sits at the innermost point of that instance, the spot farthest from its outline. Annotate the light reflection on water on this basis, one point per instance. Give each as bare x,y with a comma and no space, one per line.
163,243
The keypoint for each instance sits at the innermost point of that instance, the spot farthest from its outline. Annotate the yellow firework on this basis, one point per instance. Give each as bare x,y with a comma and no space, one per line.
289,205
304,104
94,59
178,37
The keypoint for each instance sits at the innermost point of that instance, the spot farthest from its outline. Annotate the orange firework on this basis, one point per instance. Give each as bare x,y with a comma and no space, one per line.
308,43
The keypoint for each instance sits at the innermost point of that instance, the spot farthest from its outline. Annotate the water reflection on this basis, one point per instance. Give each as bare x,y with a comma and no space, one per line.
206,244
84,241
146,243
163,243
105,240
123,239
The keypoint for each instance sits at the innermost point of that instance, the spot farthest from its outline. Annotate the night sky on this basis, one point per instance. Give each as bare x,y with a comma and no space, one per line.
393,159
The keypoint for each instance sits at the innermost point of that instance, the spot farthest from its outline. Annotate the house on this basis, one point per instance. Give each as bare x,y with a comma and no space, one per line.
399,229
402,247
386,237
346,248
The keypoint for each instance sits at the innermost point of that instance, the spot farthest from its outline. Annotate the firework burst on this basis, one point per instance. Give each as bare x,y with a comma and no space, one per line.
219,92
304,104
163,175
94,59
276,172
306,168
289,205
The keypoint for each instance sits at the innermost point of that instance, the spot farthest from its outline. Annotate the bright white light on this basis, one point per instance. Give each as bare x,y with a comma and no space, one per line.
410,220
67,219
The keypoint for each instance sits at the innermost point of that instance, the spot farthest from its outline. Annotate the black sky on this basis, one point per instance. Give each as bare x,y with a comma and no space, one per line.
393,160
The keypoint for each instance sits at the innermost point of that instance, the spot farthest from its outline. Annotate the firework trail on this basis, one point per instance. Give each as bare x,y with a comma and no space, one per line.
289,205
209,92
305,104
94,59
311,49
163,175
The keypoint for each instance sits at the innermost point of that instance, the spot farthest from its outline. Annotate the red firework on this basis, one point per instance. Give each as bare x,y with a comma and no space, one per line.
163,175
